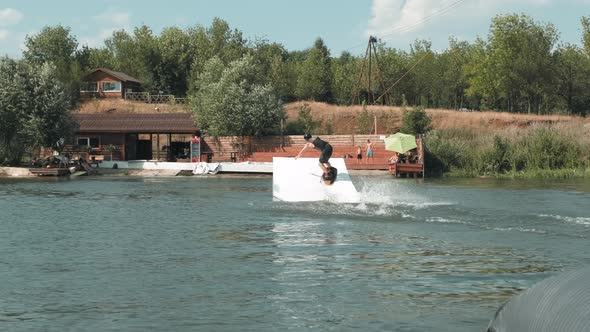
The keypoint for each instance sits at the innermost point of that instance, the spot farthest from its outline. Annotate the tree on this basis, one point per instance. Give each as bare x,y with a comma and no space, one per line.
314,80
227,101
572,70
306,120
364,121
453,81
425,73
33,108
175,59
56,45
136,55
343,78
394,64
270,60
48,118
217,40
586,34
51,44
516,73
416,122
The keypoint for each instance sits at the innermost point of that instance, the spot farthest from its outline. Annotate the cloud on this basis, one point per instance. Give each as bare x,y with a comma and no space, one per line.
3,34
9,16
113,21
114,18
107,23
399,17
399,23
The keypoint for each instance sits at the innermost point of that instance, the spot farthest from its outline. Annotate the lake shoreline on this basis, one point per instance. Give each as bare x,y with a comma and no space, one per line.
22,172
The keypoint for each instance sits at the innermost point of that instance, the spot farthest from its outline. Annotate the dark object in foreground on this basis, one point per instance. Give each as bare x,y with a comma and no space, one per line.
560,303
331,176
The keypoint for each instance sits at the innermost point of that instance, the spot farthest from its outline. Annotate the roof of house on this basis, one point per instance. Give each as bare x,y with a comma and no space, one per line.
178,123
122,76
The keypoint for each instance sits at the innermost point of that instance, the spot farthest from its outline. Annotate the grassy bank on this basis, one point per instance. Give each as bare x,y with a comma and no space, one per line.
475,144
560,150
461,144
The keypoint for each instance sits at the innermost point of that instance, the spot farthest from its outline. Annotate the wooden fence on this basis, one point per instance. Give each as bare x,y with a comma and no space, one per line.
225,147
146,97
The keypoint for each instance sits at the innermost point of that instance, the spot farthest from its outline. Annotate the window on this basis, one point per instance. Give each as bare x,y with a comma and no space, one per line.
111,86
90,142
89,87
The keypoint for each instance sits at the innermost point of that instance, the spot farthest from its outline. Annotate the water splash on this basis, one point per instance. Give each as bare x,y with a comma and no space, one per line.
572,220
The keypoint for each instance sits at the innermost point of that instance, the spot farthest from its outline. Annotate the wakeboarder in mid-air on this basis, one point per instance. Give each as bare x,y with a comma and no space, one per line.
330,173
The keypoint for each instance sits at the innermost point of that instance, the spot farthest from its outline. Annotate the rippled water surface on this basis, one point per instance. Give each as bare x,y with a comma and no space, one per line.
217,254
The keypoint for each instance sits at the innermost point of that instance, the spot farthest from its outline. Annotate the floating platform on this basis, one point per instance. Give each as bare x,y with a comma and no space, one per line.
298,180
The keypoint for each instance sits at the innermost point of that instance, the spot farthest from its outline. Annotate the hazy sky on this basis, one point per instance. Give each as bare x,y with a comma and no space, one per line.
342,24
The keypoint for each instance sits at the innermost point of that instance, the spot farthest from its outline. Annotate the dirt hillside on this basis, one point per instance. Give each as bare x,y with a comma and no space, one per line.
343,119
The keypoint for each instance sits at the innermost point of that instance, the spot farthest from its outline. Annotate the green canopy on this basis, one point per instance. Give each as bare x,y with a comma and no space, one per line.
400,142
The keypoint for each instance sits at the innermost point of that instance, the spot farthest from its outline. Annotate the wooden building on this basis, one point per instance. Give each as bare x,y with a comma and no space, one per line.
133,136
106,83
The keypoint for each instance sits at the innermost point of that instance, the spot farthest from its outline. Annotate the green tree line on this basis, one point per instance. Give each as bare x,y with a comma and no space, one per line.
520,67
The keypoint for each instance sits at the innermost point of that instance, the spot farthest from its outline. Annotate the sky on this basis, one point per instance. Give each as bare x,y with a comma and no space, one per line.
344,25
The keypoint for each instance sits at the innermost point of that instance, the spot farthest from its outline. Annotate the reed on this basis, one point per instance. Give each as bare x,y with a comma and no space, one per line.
541,150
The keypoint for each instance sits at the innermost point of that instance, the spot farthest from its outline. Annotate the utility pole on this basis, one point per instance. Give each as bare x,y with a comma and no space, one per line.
364,89
375,124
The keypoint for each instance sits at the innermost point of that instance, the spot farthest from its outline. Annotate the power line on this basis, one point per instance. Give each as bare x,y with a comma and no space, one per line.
402,77
409,27
442,11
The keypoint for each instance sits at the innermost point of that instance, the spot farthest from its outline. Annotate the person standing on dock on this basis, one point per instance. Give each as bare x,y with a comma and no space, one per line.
369,150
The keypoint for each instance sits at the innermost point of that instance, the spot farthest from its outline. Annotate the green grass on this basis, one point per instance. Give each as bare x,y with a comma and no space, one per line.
536,152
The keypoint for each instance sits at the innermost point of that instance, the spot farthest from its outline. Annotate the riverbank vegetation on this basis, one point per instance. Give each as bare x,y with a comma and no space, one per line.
539,151
520,96
34,109
471,144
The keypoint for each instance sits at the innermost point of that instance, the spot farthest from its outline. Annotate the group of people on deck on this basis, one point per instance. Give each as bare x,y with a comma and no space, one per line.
413,156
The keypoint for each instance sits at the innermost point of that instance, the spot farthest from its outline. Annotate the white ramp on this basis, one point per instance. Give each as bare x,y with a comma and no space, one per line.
299,180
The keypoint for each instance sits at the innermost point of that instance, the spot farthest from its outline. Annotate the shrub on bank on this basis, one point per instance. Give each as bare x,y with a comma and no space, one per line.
554,152
416,121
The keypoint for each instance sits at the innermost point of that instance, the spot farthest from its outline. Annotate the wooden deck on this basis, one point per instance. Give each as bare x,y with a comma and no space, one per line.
408,170
50,171
414,169
378,162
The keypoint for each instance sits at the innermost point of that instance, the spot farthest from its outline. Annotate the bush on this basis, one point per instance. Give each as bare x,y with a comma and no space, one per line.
306,119
364,122
544,151
294,128
496,158
443,155
548,149
305,122
416,122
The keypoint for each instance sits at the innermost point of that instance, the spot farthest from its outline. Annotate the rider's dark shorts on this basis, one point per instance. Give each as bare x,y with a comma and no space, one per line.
326,154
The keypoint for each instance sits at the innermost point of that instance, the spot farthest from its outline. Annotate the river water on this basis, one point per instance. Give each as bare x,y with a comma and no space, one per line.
217,254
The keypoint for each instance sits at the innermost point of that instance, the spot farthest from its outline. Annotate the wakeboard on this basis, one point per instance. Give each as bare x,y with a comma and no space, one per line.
330,178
